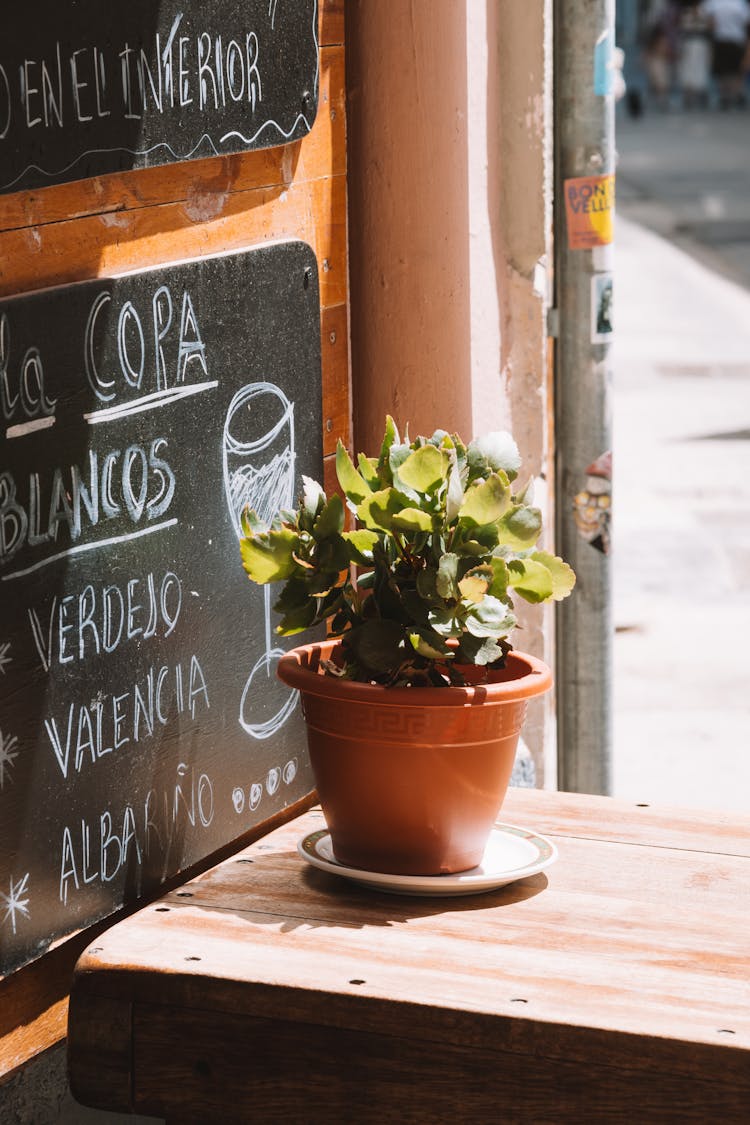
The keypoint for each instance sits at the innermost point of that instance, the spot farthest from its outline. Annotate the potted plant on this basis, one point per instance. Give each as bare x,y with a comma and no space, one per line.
415,703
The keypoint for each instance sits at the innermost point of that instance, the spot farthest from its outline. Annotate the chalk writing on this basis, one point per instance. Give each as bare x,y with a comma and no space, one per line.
144,85
88,733
132,647
259,474
100,618
96,850
8,755
12,902
134,482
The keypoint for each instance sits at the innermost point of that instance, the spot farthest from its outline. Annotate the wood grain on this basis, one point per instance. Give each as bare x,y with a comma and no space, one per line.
201,186
620,972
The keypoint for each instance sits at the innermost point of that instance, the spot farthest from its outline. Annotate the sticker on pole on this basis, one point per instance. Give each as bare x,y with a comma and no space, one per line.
589,208
601,308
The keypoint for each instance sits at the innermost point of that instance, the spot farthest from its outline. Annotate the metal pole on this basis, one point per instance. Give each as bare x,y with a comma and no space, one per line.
584,190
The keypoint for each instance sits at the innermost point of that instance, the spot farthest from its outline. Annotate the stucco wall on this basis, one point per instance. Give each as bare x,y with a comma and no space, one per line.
449,117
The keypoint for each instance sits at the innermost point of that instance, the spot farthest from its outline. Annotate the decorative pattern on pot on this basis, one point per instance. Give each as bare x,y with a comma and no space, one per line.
411,779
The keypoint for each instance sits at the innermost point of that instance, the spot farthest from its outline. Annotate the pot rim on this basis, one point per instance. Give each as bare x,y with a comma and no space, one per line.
524,676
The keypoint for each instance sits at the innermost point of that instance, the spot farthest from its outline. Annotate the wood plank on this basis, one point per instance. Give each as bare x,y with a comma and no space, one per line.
609,960
100,1042
331,22
202,186
59,253
201,1066
587,817
334,337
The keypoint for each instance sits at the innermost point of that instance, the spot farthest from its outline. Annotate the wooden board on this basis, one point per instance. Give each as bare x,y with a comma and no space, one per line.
616,978
86,90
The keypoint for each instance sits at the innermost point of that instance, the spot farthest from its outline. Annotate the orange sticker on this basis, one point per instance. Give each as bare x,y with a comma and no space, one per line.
589,206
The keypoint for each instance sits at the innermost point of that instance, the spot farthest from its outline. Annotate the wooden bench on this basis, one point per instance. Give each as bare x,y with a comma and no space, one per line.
614,987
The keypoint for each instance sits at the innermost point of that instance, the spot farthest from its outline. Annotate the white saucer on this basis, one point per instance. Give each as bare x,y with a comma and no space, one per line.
511,853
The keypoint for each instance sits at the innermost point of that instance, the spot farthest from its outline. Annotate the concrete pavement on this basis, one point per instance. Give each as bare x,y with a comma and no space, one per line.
681,558
686,176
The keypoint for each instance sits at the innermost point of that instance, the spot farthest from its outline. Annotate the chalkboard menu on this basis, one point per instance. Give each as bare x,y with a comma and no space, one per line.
88,87
141,722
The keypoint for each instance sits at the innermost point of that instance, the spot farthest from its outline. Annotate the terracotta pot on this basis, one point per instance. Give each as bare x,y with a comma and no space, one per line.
411,779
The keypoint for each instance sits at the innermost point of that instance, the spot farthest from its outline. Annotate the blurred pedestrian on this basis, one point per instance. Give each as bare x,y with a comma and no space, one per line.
730,26
695,56
658,62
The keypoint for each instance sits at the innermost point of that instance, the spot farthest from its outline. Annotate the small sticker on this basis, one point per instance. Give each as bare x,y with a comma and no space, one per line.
592,506
604,65
601,308
589,206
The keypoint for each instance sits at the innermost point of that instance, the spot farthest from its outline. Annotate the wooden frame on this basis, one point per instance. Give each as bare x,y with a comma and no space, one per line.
113,224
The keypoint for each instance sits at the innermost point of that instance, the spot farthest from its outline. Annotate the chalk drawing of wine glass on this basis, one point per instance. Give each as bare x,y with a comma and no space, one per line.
259,463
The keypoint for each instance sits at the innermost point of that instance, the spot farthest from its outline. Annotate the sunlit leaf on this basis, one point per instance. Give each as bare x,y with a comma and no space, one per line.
473,587
563,576
485,501
425,469
430,645
271,558
447,576
411,520
378,509
520,528
331,519
532,580
353,484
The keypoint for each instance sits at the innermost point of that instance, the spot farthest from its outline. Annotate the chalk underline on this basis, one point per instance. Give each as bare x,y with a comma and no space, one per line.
81,547
148,402
30,427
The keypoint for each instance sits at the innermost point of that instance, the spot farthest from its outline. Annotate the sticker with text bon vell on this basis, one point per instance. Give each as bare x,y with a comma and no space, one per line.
589,210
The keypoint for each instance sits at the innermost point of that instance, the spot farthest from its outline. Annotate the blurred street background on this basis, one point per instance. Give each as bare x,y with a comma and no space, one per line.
681,404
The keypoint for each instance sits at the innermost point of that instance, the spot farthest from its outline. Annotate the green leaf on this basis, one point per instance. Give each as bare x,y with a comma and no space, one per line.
444,621
331,558
563,576
472,547
377,510
520,528
361,543
430,645
297,620
455,495
491,618
331,519
390,438
368,467
425,470
313,499
473,587
251,524
377,644
447,576
352,483
270,558
412,520
485,501
427,584
294,594
500,577
396,457
478,650
532,580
